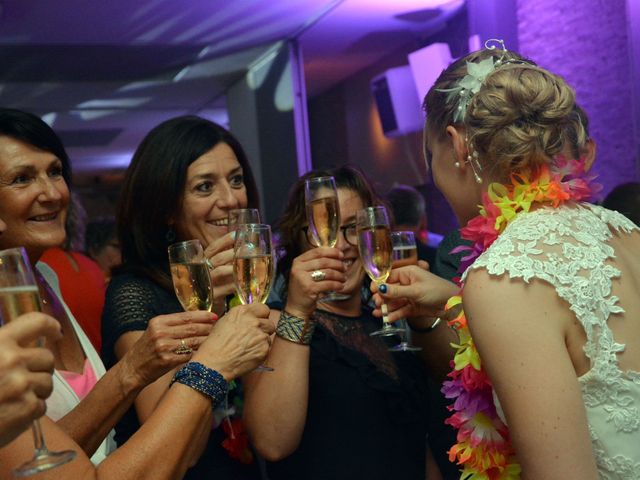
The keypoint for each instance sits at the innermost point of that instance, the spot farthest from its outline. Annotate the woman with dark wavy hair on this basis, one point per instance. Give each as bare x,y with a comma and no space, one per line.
334,385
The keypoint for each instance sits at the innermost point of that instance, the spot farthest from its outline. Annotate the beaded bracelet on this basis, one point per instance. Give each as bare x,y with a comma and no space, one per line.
428,329
203,379
295,329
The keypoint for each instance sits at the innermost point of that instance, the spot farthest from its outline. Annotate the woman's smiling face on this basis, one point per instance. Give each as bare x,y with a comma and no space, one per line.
214,185
34,198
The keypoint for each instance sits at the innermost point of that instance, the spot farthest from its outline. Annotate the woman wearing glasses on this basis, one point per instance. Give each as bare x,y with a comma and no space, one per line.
332,383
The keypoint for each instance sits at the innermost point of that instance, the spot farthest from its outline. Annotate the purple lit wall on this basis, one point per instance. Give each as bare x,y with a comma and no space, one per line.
587,43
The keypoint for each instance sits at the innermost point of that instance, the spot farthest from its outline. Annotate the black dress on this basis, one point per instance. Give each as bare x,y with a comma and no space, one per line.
131,302
367,410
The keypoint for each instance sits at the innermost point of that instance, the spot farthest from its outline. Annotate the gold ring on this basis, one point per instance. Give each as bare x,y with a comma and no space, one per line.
318,275
183,348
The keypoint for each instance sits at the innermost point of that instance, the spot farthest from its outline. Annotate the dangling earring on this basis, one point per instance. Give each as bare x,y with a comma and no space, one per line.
170,236
472,160
475,175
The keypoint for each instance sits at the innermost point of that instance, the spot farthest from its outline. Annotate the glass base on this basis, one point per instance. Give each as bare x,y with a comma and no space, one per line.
387,331
44,460
263,368
404,347
333,297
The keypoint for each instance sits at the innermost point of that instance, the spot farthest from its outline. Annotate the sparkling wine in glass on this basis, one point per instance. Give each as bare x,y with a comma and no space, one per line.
374,246
253,266
190,275
18,295
405,252
241,216
323,215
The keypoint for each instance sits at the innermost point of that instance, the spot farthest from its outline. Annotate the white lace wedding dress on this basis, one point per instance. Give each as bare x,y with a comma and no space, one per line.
568,248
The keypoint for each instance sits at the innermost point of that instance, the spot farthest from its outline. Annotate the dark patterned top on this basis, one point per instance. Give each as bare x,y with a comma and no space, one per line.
367,411
130,303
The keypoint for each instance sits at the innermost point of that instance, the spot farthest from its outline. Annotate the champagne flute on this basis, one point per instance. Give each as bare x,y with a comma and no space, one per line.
323,215
190,275
18,295
374,246
240,216
253,266
405,252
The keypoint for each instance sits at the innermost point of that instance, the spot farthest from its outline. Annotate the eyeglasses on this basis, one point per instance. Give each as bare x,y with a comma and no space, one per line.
349,233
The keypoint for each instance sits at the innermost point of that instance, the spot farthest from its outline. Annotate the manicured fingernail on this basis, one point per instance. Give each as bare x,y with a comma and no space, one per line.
383,288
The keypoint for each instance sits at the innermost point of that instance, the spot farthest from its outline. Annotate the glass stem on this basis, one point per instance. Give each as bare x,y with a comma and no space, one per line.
38,438
385,314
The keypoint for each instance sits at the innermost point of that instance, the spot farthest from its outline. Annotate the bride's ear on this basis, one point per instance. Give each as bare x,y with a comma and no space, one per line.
458,144
588,152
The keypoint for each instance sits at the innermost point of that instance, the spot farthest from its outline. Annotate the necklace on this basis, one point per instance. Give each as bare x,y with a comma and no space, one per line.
483,447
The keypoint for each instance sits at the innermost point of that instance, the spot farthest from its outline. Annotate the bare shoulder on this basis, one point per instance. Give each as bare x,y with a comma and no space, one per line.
519,329
511,304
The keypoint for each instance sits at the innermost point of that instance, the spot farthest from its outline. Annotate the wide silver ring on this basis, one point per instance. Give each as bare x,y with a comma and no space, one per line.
318,275
183,348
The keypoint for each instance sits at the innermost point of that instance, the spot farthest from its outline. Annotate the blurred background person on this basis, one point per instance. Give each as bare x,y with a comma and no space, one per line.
409,211
625,199
101,244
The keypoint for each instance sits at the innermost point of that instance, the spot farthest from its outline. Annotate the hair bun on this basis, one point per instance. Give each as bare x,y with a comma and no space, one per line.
521,118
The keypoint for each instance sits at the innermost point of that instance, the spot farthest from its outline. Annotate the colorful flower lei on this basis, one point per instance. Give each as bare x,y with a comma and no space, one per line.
483,447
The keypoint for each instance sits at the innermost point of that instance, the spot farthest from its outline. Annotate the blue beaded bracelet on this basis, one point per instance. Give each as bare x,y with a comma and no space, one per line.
203,379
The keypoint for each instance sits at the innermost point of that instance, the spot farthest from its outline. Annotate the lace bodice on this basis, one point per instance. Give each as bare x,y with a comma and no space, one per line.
568,248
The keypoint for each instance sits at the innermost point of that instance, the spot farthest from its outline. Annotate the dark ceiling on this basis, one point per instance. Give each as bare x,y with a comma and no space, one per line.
104,72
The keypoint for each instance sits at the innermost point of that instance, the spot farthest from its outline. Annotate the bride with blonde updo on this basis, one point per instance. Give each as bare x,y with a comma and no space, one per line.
546,379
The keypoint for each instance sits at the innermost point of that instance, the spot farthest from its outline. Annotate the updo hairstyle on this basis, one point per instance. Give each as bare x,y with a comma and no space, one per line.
519,120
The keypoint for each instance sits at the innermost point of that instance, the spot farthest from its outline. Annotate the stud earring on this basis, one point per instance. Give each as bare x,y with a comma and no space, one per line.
456,164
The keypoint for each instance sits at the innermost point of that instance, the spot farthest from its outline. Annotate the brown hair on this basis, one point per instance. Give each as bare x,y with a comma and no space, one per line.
521,117
290,224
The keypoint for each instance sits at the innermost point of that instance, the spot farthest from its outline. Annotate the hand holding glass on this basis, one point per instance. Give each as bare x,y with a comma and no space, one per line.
19,295
253,266
405,252
190,275
374,246
323,215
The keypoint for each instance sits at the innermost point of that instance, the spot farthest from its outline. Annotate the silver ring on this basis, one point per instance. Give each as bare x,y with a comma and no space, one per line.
318,275
183,348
